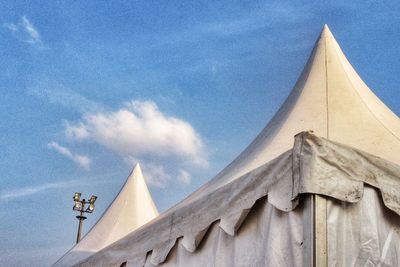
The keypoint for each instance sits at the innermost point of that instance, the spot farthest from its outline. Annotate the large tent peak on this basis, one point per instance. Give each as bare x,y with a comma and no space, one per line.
329,98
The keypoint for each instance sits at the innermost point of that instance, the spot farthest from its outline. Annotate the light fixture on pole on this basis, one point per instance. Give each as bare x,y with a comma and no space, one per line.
82,206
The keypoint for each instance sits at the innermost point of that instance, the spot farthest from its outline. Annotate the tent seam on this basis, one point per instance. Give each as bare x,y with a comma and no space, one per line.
326,88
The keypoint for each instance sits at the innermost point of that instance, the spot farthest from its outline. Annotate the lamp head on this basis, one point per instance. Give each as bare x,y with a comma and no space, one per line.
90,208
92,199
77,196
77,206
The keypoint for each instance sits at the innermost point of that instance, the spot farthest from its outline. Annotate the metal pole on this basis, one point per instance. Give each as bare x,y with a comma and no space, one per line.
320,231
80,217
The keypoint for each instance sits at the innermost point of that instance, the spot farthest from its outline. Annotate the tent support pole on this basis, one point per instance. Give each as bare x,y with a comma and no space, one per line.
320,231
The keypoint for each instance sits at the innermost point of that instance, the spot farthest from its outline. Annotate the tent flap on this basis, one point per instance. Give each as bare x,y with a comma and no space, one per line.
336,170
231,223
160,251
191,241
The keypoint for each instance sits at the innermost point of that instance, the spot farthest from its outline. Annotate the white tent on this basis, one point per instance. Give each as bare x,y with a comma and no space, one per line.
132,208
332,200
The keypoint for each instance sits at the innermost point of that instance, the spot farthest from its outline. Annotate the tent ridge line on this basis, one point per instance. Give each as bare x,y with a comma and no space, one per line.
326,87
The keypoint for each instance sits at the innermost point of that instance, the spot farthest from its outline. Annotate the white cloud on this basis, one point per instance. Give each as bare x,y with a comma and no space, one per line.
141,129
78,131
156,175
138,131
33,33
82,160
184,177
31,190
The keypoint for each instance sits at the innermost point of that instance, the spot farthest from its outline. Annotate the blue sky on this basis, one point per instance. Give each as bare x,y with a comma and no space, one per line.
88,88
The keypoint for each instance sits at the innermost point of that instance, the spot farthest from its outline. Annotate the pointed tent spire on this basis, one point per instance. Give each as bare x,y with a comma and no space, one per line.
330,99
326,32
132,208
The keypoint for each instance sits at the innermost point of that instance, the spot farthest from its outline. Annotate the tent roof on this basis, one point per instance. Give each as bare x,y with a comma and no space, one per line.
330,99
132,208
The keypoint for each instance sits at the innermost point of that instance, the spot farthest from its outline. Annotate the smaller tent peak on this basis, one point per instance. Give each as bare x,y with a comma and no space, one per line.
137,166
131,208
326,32
136,171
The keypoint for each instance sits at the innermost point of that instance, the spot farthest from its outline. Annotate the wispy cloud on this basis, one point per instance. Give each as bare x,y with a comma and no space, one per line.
236,26
184,177
33,33
268,16
34,189
11,26
141,129
58,94
156,175
27,31
81,160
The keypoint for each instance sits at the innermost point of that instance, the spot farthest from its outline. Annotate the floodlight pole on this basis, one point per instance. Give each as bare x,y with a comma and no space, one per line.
81,218
82,206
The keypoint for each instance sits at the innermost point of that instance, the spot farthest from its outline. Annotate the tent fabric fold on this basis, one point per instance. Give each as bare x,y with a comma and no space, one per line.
344,171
